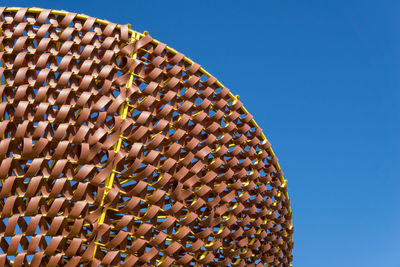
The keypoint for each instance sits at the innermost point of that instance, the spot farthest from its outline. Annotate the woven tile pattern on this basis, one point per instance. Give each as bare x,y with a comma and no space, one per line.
118,151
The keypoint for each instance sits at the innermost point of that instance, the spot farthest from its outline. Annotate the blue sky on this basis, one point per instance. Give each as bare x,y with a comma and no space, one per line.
320,78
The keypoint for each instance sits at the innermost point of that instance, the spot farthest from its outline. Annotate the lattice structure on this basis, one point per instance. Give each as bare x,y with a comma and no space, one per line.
116,150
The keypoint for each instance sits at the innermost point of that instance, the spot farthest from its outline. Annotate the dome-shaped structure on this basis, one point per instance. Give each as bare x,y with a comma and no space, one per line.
116,150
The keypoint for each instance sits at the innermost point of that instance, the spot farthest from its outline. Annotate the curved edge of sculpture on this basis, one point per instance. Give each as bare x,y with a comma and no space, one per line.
234,99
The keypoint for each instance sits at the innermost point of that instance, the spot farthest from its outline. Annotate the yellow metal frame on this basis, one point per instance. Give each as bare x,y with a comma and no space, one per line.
125,106
117,147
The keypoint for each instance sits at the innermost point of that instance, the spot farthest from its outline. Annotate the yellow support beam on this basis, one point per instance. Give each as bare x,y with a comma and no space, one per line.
123,113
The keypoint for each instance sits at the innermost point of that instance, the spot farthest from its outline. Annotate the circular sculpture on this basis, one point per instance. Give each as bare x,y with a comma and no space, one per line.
116,150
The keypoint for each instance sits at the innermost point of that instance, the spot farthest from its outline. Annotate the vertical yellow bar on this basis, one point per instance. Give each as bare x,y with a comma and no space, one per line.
123,112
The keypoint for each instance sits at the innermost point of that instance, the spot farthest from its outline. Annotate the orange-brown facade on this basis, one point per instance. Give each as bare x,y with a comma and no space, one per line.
116,150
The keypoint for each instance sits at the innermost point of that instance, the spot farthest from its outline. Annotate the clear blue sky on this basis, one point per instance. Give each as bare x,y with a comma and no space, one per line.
322,79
